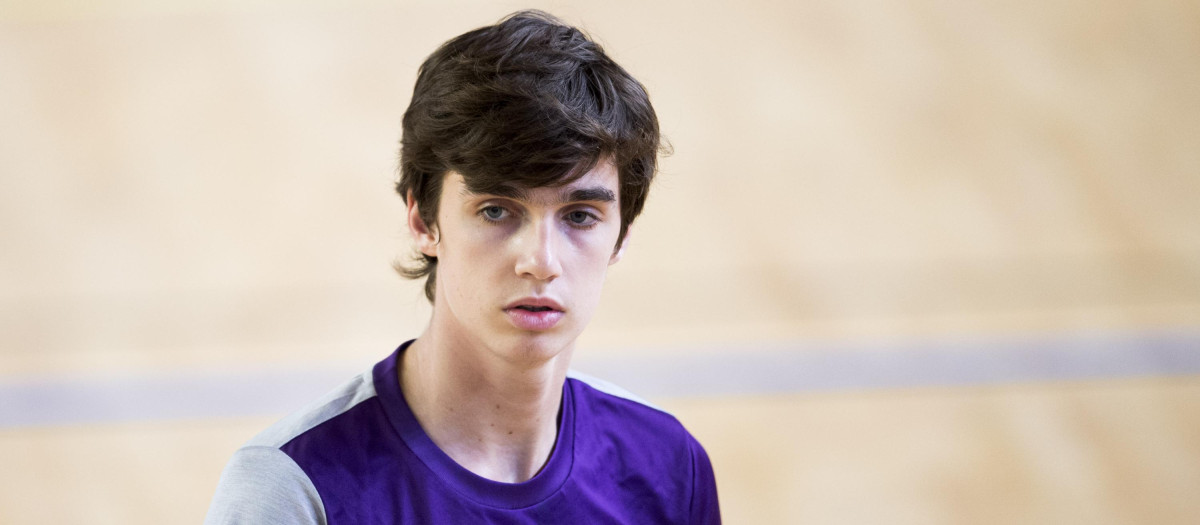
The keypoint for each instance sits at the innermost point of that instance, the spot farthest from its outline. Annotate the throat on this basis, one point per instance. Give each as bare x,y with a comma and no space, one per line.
496,421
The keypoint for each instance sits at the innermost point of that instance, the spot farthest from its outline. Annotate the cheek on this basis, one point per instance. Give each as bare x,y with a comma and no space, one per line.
471,245
464,285
594,253
600,244
460,266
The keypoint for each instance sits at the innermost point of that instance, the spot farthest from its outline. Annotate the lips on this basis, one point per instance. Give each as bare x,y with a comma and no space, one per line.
541,303
535,308
534,314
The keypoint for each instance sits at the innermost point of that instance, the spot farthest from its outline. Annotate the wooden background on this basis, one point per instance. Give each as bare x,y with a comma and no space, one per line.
202,189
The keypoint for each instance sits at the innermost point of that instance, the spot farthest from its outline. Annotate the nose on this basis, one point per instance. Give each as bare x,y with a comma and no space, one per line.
537,253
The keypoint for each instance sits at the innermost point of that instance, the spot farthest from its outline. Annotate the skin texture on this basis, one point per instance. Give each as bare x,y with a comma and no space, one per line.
485,388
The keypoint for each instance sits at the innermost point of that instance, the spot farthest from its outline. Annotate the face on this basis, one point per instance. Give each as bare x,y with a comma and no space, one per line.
520,274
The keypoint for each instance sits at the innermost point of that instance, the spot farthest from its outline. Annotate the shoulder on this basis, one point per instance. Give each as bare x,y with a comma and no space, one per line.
333,404
619,411
264,483
627,438
627,435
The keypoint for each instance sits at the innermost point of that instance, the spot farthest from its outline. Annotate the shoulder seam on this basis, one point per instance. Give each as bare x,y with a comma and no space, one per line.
612,389
344,397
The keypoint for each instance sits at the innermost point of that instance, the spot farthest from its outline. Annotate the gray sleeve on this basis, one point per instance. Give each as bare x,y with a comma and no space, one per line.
264,485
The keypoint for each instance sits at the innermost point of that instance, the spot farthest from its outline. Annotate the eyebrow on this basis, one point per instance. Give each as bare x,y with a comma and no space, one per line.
592,194
595,193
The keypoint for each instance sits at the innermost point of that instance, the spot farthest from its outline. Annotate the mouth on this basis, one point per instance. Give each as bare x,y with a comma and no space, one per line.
534,314
535,304
528,308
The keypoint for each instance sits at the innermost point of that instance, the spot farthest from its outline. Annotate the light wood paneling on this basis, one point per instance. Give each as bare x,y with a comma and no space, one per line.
206,185
1106,452
1096,452
192,184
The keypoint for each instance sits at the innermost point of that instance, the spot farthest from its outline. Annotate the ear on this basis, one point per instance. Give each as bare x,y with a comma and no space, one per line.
616,256
426,237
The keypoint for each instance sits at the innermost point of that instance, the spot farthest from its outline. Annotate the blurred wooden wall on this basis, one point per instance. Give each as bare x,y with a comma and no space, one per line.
192,186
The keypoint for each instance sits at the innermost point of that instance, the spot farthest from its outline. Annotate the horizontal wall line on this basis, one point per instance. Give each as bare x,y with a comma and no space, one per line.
810,366
712,371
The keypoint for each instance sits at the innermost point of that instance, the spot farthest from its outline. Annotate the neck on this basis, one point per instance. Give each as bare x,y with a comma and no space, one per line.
491,415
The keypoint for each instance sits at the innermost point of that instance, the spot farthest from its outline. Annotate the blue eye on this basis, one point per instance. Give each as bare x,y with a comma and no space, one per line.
581,219
493,213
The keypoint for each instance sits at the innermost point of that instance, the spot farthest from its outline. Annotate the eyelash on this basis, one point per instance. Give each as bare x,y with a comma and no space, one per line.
591,216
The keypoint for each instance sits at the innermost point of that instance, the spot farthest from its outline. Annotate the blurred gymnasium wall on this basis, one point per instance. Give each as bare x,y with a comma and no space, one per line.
862,196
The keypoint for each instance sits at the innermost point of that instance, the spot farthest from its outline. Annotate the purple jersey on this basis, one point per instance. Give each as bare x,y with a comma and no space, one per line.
358,455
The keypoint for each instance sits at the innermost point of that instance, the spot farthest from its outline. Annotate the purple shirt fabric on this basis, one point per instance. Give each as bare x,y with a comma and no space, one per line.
615,460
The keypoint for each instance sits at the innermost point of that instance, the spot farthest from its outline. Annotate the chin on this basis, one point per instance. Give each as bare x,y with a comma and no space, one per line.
534,347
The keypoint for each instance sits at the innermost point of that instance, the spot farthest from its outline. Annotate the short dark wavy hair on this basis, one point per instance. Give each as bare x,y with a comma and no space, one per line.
527,102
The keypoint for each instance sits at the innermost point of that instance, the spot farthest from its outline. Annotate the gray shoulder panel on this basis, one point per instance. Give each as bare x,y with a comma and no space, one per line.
341,399
262,485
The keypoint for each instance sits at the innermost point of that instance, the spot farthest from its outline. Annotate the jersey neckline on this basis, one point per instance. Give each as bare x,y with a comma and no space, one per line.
482,490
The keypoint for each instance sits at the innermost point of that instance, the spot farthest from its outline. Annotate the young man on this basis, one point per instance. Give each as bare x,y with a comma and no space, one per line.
526,155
